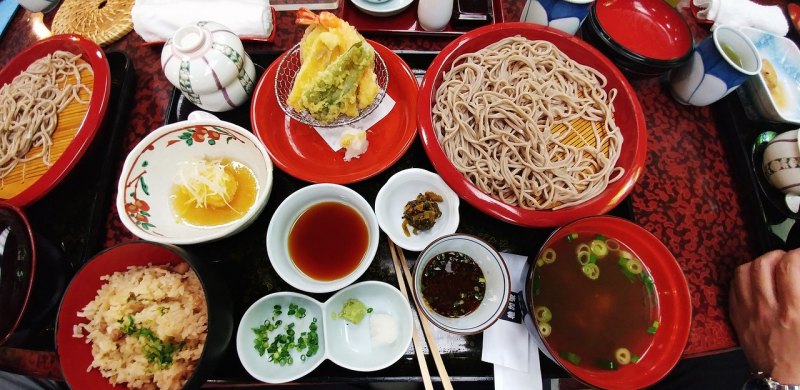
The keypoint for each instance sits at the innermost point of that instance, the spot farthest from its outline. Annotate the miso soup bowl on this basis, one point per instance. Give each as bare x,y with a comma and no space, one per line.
674,306
284,218
498,283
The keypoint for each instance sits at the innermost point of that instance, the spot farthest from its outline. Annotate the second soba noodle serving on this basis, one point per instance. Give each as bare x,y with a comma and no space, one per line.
528,125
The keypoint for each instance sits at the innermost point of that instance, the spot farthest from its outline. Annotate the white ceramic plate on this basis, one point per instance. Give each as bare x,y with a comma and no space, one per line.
287,213
404,186
382,8
346,344
784,56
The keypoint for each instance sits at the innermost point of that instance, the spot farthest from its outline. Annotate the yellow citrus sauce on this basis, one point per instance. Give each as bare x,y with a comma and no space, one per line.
187,211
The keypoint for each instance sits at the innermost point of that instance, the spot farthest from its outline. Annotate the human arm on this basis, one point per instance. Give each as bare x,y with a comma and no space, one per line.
765,312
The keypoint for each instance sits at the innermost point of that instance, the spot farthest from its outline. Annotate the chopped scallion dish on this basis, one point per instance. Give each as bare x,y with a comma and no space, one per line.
283,337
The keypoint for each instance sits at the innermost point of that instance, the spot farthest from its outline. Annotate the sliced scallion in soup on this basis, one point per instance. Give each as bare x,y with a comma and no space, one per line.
594,301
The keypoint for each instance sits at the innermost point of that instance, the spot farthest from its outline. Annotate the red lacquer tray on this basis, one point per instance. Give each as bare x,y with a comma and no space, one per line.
405,22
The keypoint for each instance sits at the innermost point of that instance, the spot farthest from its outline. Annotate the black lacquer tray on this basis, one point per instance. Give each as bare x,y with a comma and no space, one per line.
72,216
242,258
771,223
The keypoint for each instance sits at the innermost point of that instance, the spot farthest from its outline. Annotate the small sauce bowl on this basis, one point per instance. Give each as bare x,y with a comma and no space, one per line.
495,272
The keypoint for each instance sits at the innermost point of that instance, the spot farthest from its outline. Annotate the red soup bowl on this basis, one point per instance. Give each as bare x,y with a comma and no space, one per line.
658,335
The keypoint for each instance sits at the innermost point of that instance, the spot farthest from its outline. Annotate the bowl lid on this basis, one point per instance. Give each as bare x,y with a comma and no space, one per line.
651,28
16,268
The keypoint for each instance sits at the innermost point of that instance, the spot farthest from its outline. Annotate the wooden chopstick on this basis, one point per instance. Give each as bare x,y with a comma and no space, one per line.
423,366
426,327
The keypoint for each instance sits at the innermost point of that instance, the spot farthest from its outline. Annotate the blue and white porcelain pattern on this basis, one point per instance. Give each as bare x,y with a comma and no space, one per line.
711,74
207,62
784,56
564,15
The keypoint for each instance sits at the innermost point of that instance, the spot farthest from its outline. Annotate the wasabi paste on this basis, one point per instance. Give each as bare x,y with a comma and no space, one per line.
353,311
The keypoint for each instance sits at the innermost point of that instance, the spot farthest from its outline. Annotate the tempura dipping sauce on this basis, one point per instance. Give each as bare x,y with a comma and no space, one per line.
453,284
328,241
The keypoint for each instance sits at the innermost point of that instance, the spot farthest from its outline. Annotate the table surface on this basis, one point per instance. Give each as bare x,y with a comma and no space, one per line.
687,196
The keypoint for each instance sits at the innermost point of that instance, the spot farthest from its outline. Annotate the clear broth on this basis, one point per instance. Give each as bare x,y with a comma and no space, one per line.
592,319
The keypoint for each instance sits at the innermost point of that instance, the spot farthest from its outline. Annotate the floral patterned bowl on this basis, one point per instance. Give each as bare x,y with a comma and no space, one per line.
148,175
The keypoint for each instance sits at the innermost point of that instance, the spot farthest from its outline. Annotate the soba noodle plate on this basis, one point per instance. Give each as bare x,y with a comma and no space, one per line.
515,127
77,122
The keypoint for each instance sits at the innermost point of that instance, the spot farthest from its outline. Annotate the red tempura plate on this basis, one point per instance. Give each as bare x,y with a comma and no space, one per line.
627,114
87,128
298,150
674,306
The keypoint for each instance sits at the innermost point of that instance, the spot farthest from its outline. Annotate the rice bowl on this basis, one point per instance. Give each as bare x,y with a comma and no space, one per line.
147,325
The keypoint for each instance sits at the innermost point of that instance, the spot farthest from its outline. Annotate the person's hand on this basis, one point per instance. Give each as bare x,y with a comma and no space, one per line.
765,311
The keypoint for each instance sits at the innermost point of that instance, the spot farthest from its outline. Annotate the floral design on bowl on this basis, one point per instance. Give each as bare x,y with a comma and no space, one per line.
147,180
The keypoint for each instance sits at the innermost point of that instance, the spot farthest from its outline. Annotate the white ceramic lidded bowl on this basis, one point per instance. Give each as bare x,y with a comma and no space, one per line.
149,174
781,162
206,61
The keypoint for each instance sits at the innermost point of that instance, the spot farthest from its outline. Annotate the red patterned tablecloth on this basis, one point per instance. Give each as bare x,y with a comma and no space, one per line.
687,196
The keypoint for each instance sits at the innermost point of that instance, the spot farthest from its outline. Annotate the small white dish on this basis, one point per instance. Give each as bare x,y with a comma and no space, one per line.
382,8
290,210
148,177
498,284
350,345
262,310
404,186
784,56
345,344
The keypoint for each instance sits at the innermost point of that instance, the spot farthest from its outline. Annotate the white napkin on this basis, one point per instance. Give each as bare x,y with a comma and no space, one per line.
507,344
332,135
743,13
158,20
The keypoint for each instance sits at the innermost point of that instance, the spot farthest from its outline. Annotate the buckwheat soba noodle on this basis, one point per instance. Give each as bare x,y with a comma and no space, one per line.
29,106
528,125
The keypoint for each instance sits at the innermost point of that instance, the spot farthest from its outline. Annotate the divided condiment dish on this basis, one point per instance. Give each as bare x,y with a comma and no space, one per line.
344,343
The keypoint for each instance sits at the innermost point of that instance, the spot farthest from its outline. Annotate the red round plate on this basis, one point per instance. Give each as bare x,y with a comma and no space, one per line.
298,150
628,115
74,354
98,102
651,28
674,306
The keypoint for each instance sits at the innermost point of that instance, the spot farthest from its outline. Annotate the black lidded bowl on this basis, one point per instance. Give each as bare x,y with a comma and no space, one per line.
644,38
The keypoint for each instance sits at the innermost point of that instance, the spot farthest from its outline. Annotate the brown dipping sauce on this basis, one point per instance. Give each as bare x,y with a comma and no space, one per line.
453,284
328,241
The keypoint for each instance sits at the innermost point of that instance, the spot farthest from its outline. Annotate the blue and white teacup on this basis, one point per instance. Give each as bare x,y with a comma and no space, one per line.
564,15
721,63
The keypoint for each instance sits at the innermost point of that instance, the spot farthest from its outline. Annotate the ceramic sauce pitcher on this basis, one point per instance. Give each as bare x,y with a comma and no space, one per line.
207,63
